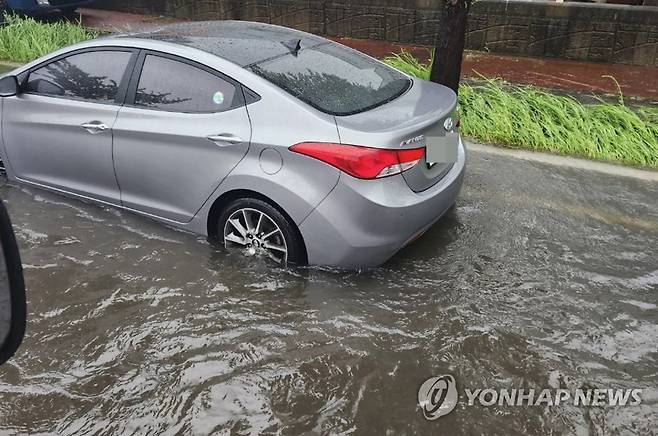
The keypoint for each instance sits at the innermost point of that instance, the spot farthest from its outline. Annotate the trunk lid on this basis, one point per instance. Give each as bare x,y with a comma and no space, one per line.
405,123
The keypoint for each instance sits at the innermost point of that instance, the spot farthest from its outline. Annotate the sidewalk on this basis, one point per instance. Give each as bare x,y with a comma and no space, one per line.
112,21
576,76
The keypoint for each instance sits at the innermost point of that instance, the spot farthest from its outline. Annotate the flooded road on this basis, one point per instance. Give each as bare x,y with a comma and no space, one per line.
541,277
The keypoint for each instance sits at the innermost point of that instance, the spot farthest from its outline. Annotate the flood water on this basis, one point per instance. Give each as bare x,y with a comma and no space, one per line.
540,277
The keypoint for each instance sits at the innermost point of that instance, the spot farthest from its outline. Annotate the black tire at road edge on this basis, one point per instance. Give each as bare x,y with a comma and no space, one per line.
294,242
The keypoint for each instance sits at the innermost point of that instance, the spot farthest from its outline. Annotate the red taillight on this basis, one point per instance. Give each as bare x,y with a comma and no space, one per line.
361,162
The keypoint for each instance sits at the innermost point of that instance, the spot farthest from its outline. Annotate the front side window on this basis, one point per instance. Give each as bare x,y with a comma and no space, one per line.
171,85
90,76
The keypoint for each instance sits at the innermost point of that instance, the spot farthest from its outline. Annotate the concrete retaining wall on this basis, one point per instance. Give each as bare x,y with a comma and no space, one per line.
592,32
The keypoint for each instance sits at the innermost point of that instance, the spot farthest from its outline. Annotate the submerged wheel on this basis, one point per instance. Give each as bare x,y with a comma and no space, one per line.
259,229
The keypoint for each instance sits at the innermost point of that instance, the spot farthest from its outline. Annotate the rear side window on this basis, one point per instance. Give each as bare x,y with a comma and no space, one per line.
90,76
171,85
334,79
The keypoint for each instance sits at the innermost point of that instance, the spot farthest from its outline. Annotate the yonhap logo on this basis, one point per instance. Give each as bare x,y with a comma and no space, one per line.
437,396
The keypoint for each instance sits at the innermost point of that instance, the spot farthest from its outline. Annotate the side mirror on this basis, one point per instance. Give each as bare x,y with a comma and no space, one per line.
47,87
8,86
12,290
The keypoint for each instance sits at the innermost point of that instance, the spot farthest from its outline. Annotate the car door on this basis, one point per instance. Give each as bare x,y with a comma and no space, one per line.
57,130
183,129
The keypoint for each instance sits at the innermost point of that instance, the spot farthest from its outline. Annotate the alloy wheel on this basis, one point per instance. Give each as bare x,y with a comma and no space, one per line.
256,233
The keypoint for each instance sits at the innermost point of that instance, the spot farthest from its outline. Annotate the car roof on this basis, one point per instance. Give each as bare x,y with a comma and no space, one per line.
242,42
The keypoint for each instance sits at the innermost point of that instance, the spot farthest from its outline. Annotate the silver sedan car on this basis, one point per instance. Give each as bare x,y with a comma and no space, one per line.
273,141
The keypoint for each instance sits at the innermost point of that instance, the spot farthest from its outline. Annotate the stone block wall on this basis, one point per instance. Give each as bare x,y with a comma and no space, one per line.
580,31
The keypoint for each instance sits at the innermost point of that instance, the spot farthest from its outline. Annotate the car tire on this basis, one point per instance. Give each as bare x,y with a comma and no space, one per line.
253,207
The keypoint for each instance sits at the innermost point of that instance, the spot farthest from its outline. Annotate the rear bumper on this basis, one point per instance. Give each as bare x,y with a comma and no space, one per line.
362,223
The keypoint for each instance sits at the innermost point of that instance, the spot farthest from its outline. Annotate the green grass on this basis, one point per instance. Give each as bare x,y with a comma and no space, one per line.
25,39
527,117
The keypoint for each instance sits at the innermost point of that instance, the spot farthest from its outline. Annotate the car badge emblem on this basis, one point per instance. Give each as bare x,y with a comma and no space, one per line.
418,138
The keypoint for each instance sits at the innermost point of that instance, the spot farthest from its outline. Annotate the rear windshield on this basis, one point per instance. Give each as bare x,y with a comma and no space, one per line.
334,79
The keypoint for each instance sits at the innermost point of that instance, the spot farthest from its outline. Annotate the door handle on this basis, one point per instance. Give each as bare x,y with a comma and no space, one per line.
225,139
94,127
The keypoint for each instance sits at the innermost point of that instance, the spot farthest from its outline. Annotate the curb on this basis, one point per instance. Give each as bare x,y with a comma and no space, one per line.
565,161
10,64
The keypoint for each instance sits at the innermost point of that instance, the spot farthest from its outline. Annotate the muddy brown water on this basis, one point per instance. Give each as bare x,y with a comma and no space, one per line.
540,277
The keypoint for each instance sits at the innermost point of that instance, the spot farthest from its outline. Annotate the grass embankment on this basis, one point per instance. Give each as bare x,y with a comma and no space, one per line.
25,39
527,117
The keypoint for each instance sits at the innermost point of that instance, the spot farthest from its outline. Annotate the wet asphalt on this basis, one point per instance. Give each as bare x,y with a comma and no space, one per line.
541,276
